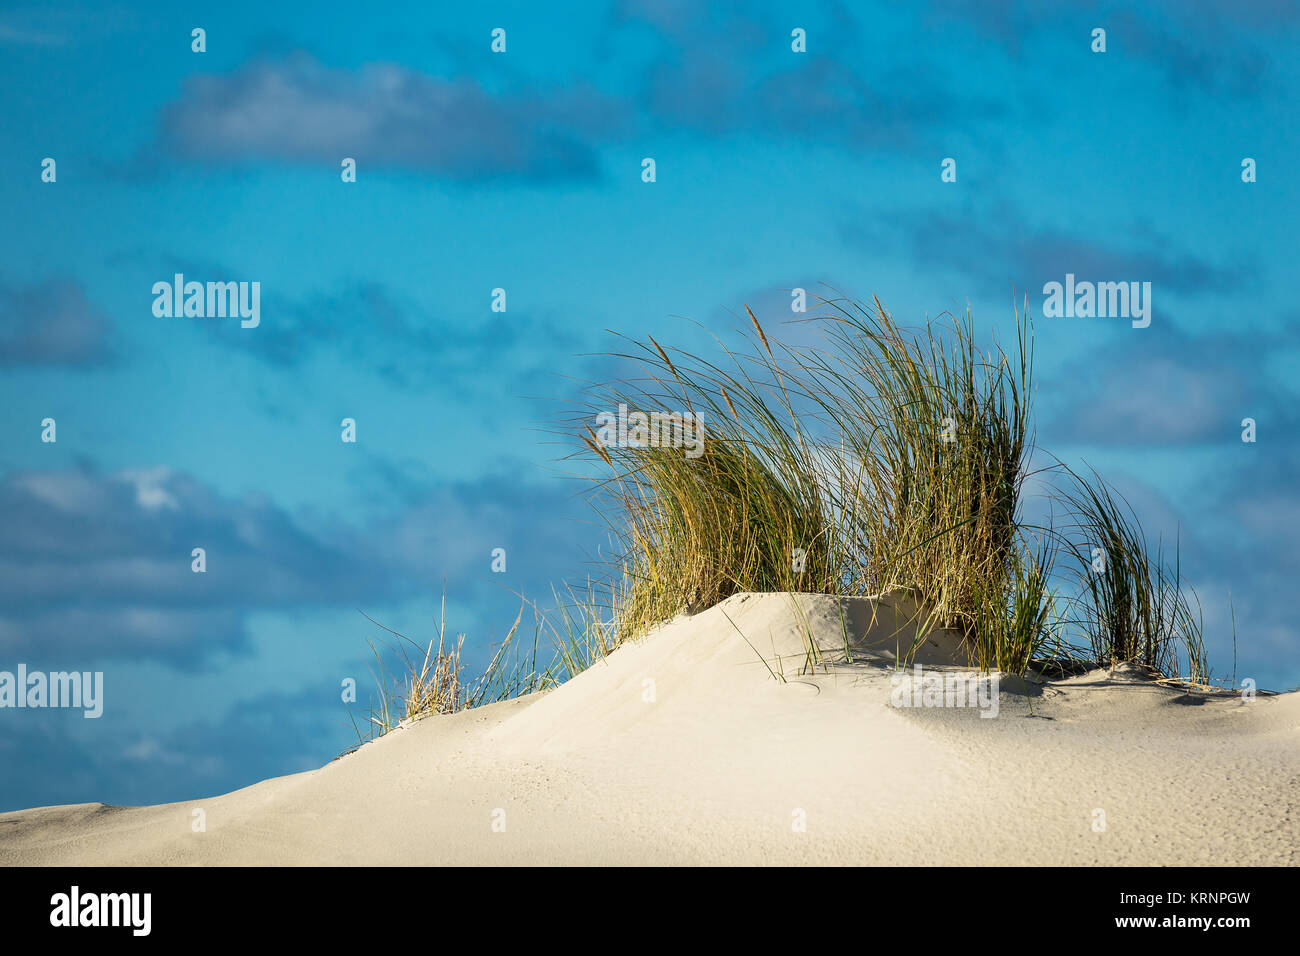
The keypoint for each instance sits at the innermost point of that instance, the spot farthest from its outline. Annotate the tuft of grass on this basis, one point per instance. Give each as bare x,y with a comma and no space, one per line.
881,459
887,458
884,459
1132,604
1013,627
579,629
433,682
754,511
937,431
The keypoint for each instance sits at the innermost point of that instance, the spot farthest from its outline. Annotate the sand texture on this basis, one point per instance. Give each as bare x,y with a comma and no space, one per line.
684,749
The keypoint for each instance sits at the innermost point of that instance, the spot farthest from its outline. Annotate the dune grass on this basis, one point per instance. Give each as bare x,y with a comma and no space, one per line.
753,512
880,458
432,680
1014,619
414,680
1132,605
938,432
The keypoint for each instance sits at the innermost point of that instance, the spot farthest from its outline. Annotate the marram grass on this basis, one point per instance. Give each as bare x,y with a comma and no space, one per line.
1132,606
752,512
879,458
935,433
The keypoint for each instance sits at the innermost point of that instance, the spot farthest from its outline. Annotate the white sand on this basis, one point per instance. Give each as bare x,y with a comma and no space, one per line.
724,760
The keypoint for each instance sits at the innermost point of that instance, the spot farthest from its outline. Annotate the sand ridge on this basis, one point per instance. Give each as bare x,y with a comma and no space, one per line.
683,748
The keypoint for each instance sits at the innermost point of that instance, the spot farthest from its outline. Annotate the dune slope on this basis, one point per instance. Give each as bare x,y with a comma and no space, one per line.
685,748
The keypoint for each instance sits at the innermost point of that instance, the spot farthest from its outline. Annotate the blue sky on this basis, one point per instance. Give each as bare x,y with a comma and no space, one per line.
522,171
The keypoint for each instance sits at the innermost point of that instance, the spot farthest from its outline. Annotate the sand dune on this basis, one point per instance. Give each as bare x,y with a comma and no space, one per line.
684,749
